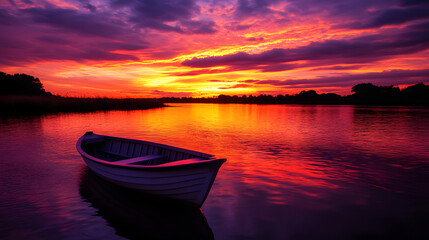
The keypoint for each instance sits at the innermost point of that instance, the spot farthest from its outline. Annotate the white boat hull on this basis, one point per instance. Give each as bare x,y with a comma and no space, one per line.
190,183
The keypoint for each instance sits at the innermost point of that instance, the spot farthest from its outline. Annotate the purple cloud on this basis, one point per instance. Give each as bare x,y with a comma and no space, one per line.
199,27
64,34
250,8
166,15
237,26
53,40
411,39
406,3
73,21
394,16
382,78
87,5
199,72
241,85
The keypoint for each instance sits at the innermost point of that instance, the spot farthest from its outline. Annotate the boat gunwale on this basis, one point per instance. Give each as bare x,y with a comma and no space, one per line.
211,160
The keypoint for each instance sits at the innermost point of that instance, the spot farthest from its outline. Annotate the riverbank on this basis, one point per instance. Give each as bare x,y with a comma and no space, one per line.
34,105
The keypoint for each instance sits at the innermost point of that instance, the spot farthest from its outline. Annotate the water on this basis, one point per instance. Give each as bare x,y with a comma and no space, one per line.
293,172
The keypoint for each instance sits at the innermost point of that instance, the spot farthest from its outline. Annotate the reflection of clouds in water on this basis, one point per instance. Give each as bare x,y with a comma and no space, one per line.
293,172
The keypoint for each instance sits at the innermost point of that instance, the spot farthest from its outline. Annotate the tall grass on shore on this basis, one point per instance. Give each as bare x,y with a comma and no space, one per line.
30,105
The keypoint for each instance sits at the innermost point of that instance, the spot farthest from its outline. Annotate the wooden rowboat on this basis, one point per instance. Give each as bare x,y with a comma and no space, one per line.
149,167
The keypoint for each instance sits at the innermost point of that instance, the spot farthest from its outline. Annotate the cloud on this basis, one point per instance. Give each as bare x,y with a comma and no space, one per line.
250,8
83,24
348,67
53,40
394,16
6,18
199,72
253,39
335,9
52,33
12,2
112,46
406,3
166,15
199,27
87,5
381,78
237,26
241,85
412,39
158,93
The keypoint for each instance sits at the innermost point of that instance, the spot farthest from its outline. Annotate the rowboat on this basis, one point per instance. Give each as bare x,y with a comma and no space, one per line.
149,167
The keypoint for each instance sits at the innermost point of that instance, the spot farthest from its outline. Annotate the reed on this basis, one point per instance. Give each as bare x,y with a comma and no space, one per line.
30,105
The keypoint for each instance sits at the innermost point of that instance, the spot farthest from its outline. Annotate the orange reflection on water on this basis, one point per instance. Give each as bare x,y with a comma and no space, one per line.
276,149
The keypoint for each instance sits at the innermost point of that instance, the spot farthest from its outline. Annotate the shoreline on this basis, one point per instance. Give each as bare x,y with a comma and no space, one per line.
17,105
23,105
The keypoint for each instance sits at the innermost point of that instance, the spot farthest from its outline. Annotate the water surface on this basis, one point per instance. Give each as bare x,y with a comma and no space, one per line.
293,172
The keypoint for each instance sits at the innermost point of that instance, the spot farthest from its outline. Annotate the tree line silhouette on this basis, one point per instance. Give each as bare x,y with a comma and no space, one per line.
362,94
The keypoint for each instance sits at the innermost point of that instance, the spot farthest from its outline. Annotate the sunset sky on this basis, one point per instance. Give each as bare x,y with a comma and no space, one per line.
157,48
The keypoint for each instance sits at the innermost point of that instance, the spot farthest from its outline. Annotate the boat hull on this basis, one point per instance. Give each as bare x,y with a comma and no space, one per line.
189,183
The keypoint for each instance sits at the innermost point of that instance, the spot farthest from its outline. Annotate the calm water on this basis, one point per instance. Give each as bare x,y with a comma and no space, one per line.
293,172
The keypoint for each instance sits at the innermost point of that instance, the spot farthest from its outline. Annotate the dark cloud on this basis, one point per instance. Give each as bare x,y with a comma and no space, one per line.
359,50
253,39
6,18
399,16
164,11
73,21
343,10
167,16
99,54
382,78
86,4
54,40
171,94
394,16
241,85
250,8
121,46
237,26
21,52
217,80
406,3
12,2
349,67
199,72
199,27
52,33
162,15
250,81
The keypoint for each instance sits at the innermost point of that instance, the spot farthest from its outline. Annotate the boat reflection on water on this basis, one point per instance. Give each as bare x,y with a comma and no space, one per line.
135,215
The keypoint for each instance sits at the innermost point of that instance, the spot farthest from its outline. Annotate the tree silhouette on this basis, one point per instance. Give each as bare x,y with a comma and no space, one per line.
21,84
367,93
417,94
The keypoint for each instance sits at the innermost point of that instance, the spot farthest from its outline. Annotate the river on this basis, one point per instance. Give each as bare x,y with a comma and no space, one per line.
292,172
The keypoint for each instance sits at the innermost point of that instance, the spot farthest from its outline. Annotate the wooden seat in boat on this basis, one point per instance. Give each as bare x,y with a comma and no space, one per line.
181,162
141,159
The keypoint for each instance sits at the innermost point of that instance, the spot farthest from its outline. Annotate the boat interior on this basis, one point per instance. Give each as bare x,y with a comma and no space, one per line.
134,152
